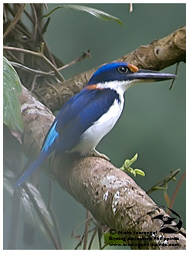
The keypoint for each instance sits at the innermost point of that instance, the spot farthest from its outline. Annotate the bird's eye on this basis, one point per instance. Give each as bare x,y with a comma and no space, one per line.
123,69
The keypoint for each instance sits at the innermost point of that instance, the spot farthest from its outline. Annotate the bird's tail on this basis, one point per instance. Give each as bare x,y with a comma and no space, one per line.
35,165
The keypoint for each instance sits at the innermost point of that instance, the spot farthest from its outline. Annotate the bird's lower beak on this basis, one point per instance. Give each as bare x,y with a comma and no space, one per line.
151,76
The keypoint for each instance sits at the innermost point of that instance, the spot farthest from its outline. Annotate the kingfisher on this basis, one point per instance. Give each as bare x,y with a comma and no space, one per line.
89,115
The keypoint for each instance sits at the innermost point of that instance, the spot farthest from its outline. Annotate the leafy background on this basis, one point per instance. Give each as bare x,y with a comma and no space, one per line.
11,104
153,122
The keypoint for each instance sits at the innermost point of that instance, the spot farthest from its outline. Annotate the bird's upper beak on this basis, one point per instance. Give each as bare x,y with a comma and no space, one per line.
148,75
152,76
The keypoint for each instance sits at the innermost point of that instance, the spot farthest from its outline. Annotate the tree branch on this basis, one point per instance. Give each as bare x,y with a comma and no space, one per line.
112,197
157,55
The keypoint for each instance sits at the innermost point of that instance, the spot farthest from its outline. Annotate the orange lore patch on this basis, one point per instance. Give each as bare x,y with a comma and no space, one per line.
133,68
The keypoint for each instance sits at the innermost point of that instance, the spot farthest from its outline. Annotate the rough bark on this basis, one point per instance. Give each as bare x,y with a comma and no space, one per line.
157,55
112,197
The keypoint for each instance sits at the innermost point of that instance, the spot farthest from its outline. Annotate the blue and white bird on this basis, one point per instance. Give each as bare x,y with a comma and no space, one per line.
89,115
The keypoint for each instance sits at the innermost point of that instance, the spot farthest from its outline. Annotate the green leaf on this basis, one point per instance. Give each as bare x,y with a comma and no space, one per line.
139,172
126,167
97,13
11,105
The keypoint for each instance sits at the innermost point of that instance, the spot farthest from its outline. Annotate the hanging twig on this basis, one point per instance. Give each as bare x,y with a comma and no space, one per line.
38,54
176,190
14,21
162,183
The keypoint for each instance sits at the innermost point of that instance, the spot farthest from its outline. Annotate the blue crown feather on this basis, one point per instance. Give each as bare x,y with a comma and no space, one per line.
107,73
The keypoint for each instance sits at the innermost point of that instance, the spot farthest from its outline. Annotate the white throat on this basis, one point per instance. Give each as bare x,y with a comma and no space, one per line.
119,86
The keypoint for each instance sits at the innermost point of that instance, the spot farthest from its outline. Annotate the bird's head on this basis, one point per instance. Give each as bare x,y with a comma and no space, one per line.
121,75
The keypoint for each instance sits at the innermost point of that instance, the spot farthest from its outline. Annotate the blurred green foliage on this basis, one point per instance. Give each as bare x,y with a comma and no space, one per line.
11,90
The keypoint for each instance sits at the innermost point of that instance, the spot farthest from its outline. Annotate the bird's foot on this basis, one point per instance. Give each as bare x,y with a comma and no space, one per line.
95,153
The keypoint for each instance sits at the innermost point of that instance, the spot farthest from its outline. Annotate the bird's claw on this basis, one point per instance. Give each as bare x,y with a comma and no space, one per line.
95,153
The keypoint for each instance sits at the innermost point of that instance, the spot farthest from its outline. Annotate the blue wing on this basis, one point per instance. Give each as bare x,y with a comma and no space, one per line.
76,116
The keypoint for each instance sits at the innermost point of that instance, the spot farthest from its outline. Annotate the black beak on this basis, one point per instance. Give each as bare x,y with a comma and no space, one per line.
151,76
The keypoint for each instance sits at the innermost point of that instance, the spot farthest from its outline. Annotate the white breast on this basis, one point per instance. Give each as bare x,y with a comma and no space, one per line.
92,136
